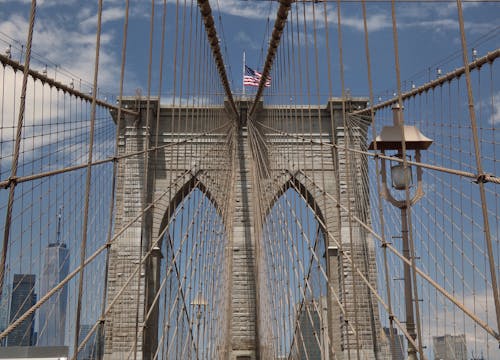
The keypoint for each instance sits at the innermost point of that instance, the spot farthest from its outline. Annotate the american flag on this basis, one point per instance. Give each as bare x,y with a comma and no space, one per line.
252,78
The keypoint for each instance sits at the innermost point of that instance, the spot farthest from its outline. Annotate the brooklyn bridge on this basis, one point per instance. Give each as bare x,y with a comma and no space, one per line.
336,199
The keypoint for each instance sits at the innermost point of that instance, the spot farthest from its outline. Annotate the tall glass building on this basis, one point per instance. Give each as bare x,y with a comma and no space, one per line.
23,298
52,314
92,348
4,308
309,331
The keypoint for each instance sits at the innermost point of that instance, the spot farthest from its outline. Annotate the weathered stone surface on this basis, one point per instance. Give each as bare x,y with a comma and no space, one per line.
179,168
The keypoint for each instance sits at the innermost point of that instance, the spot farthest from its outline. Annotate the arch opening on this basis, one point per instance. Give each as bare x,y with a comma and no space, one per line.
190,284
293,264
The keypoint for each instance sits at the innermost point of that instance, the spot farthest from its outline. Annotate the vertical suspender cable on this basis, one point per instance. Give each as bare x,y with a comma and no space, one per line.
279,25
156,257
113,185
17,146
332,350
479,166
407,213
348,182
206,12
144,197
83,247
379,189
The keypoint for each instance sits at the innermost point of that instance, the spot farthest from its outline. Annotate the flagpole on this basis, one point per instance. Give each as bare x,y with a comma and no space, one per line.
243,77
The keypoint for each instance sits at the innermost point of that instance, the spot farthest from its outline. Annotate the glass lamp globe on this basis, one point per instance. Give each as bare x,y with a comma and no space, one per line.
401,177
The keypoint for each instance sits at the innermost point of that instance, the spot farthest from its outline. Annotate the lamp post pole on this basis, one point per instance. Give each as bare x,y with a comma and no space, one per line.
199,304
393,138
410,319
198,317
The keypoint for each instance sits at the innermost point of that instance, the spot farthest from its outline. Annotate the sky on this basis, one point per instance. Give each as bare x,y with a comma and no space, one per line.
428,39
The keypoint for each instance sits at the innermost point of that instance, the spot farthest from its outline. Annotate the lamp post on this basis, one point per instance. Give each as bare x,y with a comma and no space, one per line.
391,138
199,303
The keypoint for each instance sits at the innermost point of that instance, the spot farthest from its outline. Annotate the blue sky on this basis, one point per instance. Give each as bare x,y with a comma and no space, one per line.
428,39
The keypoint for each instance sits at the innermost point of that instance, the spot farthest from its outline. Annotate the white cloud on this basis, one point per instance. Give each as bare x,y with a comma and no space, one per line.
52,117
450,320
433,16
489,108
247,9
495,112
246,41
40,2
375,22
71,48
169,100
435,24
108,15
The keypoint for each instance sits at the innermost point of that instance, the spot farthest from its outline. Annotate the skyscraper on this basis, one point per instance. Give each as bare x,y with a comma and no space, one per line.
398,347
309,334
91,349
4,308
450,347
23,298
52,314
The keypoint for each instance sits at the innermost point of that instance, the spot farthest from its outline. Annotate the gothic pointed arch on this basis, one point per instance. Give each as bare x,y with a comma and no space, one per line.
307,194
192,184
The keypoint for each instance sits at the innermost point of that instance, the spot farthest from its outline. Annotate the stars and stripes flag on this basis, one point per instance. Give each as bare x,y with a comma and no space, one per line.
252,78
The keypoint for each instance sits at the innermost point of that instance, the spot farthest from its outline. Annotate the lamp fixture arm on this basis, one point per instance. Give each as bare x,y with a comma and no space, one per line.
386,193
419,192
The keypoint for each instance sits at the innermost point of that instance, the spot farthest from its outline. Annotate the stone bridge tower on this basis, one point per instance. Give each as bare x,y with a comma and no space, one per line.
140,180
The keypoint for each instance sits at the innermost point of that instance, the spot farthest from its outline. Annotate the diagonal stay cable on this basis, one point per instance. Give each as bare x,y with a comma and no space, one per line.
17,146
88,260
5,61
486,178
425,276
4,184
137,267
206,12
420,272
100,345
350,260
455,74
279,25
